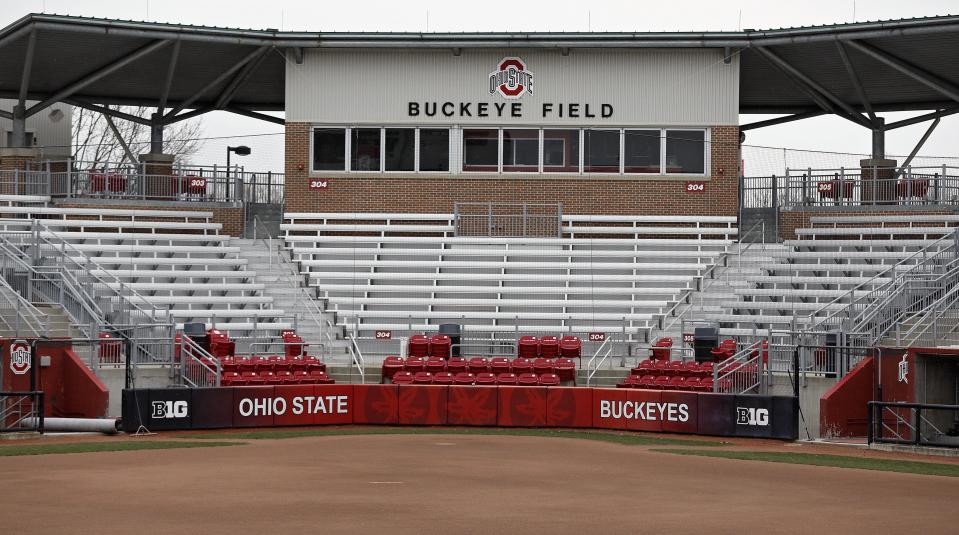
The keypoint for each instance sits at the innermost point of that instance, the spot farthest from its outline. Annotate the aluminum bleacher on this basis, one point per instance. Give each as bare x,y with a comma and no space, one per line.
411,272
834,261
175,261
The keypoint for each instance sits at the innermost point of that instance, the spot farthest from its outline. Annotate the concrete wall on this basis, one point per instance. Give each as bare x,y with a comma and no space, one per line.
810,392
115,380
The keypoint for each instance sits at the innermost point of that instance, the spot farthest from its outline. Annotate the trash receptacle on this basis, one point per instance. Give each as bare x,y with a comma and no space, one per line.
704,340
197,333
455,332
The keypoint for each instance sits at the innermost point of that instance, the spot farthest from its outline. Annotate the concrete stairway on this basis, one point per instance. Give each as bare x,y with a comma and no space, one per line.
274,270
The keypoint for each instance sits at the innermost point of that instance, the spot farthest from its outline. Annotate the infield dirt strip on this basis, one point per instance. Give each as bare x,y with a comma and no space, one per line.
456,484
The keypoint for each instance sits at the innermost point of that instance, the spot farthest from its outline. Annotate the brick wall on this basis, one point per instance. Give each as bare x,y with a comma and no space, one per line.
579,195
230,217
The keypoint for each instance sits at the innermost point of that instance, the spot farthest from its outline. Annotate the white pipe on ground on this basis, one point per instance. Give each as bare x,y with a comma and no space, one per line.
110,426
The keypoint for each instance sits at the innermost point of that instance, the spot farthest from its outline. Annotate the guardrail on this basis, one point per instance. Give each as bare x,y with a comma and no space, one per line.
356,359
18,316
198,368
604,353
21,411
919,424
508,220
744,372
904,186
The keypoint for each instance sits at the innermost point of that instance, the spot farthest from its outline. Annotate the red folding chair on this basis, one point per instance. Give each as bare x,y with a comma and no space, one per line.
435,364
549,347
478,365
422,378
631,381
542,365
442,378
527,347
570,347
456,365
527,379
391,366
565,368
506,379
521,365
322,378
464,378
402,378
440,346
302,377
415,364
418,346
499,365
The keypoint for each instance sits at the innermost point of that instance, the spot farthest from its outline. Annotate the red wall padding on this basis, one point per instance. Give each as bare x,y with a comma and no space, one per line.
375,404
253,406
423,404
568,406
472,405
521,406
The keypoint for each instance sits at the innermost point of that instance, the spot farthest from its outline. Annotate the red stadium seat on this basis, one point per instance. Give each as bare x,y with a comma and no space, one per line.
269,378
478,365
251,378
570,347
422,378
464,378
527,379
661,382
705,369
278,363
692,383
647,381
284,376
322,378
565,368
549,347
646,367
313,363
259,363
499,365
415,364
418,346
228,364
456,365
402,378
442,378
677,368
705,384
303,377
392,365
548,379
440,346
485,378
631,381
691,368
229,378
542,365
676,382
243,364
296,364
661,349
527,347
506,379
435,364
661,367
521,365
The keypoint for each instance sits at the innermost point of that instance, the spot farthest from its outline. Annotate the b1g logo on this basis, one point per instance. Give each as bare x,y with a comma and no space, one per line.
752,416
20,358
511,79
170,409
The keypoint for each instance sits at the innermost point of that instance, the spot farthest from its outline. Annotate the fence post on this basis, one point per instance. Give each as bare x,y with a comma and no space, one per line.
870,413
918,438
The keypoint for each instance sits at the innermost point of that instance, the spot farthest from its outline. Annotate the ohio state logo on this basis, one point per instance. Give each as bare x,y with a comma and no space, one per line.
511,79
20,357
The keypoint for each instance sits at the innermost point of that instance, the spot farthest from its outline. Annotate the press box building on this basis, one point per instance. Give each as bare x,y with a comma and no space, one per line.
600,130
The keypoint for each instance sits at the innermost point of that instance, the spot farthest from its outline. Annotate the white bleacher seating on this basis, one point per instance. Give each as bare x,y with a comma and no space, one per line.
833,261
409,272
175,261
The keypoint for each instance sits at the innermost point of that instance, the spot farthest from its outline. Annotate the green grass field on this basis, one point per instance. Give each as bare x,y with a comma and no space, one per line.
835,461
119,445
615,438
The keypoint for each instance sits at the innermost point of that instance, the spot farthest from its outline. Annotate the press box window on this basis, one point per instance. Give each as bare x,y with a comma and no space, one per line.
400,147
481,150
601,151
365,149
434,149
686,152
641,152
520,150
329,149
561,151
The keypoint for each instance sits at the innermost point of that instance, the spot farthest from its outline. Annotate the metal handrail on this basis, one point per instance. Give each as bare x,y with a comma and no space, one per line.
194,365
952,296
859,287
724,261
356,358
28,316
606,350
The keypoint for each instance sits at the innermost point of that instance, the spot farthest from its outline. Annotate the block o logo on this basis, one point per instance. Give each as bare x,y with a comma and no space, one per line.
20,358
511,79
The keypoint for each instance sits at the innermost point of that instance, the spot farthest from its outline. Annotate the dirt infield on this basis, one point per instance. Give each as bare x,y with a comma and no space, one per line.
456,484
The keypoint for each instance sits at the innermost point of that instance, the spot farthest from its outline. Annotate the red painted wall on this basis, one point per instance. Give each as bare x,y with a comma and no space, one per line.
70,388
842,409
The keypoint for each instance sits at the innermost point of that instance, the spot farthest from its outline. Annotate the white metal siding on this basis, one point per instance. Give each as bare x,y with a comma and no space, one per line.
681,87
53,138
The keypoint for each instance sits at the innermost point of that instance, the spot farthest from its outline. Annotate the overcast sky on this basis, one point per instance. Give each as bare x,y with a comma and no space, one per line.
825,133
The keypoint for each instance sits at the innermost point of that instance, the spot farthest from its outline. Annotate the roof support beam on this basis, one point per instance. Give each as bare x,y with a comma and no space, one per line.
213,83
854,78
27,67
6,114
916,73
915,150
227,94
261,116
923,118
814,87
781,120
109,112
168,82
97,74
188,115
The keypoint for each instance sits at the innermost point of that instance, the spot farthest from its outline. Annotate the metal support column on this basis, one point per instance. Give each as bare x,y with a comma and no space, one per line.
156,133
879,139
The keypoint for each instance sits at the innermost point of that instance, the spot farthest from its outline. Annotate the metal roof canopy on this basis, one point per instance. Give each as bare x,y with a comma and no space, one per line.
844,69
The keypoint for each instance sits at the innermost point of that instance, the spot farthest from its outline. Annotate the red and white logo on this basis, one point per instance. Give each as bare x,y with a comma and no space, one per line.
20,358
511,79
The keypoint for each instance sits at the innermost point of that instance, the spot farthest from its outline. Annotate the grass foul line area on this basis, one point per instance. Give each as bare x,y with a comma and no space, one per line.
92,447
835,461
630,439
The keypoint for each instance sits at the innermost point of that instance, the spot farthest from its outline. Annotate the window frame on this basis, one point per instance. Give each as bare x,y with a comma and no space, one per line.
346,148
707,145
